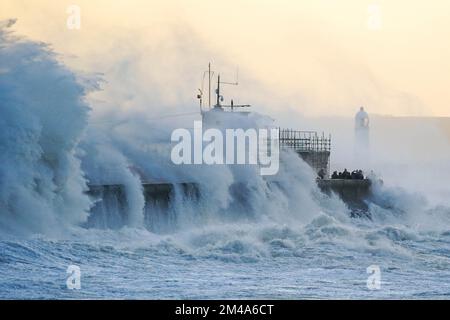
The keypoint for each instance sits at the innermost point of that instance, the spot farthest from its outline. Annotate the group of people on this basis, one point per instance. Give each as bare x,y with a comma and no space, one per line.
355,175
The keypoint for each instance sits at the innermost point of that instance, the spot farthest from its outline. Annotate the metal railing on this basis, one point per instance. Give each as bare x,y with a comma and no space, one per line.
304,141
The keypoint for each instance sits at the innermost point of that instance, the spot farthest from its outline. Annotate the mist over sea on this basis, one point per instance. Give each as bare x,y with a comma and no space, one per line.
259,241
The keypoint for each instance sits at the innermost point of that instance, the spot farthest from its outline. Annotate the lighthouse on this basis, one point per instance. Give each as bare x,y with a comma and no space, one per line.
362,142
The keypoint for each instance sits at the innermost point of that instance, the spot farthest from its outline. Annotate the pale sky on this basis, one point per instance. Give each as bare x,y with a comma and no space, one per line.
316,57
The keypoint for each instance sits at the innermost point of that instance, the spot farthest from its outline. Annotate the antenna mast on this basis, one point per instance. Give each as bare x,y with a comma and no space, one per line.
218,91
219,97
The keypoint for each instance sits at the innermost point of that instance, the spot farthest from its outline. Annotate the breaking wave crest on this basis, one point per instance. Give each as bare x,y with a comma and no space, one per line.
43,118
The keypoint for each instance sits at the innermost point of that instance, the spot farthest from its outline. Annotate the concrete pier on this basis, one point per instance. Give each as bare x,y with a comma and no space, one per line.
353,192
111,206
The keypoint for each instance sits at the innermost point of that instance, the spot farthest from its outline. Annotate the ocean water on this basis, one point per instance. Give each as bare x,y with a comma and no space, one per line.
257,241
275,262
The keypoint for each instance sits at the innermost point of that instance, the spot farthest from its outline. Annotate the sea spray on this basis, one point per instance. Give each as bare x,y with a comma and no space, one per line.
43,118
